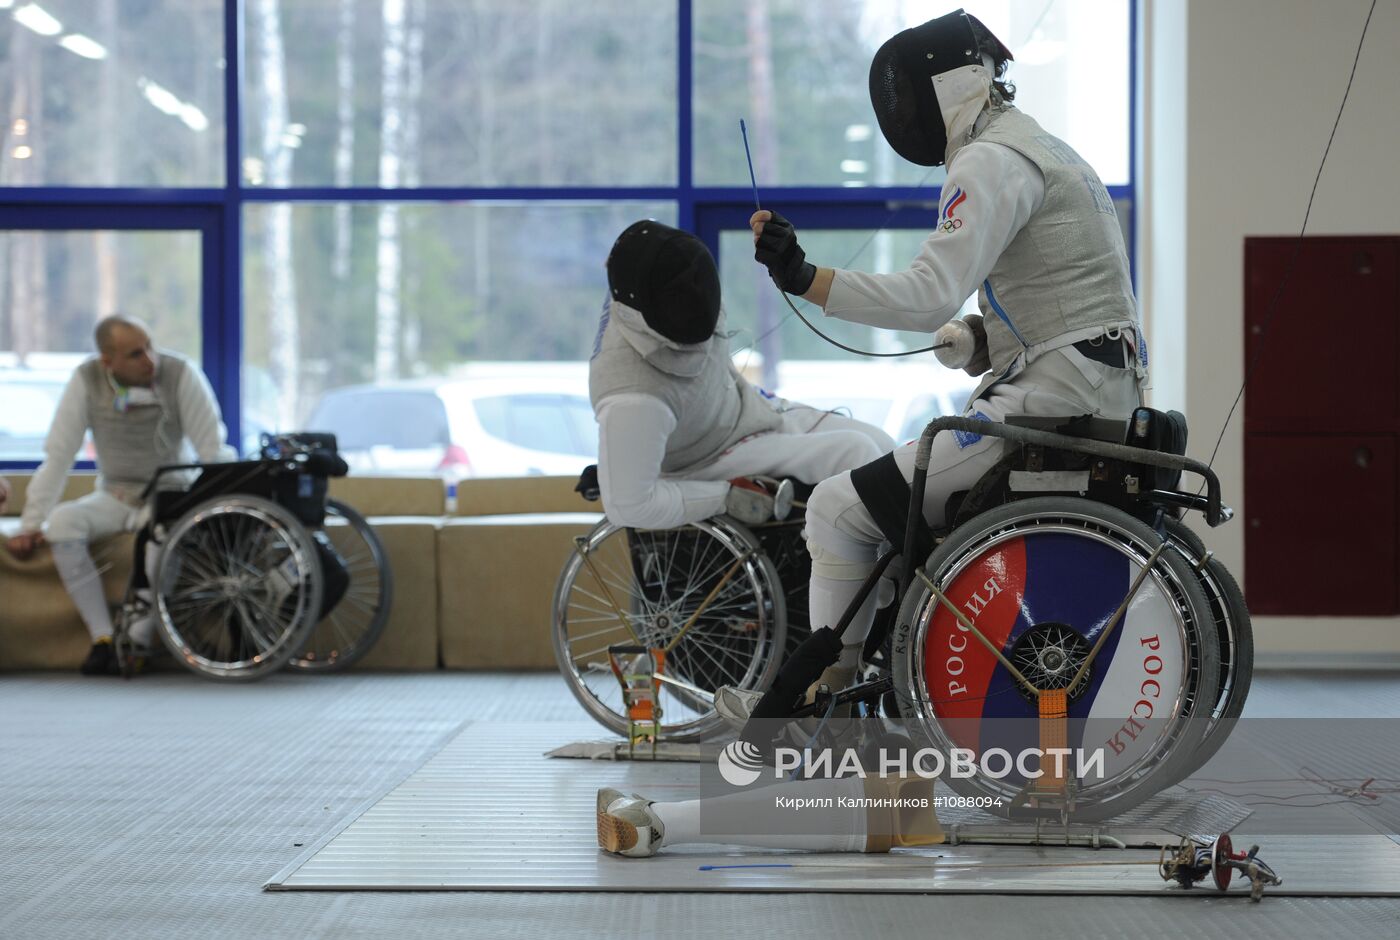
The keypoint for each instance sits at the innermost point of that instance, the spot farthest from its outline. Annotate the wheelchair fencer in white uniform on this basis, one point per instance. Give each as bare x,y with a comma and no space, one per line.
1029,614
681,434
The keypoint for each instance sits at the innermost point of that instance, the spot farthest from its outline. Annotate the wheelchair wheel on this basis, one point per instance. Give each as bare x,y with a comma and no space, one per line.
354,625
238,587
1041,579
703,592
1235,634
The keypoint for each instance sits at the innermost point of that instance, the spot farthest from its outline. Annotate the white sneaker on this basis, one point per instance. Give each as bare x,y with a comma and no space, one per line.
627,825
735,705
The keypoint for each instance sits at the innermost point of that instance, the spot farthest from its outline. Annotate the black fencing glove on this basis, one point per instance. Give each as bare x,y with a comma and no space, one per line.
778,251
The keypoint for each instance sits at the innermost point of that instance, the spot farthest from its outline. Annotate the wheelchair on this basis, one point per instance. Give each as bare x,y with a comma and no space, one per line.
1066,605
725,602
255,568
1065,602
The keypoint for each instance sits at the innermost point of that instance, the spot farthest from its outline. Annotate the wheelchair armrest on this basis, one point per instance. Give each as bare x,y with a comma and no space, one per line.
162,471
922,456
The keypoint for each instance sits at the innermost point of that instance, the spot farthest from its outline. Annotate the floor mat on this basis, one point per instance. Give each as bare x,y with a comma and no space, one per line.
489,813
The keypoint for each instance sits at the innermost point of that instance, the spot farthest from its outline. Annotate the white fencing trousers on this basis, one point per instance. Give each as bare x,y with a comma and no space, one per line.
809,445
71,527
1060,382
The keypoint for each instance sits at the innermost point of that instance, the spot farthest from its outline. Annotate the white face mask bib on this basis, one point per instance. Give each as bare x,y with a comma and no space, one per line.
131,397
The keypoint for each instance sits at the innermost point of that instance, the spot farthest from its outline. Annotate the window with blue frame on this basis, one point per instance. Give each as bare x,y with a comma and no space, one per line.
417,191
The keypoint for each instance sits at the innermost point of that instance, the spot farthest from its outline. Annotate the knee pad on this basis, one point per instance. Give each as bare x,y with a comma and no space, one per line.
828,564
838,521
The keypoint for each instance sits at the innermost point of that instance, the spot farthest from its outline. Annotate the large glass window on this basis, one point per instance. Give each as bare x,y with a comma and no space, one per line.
381,295
56,285
462,93
408,219
799,72
112,93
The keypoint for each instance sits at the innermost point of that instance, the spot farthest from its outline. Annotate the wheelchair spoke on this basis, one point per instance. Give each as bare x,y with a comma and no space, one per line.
251,620
700,586
604,608
629,630
615,580
219,537
345,636
724,650
611,628
200,558
254,558
721,671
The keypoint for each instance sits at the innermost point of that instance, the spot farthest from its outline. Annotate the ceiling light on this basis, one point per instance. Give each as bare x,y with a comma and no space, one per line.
37,18
194,118
78,44
22,152
159,96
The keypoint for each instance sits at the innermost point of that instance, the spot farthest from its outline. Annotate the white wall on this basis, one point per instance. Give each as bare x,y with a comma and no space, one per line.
1257,85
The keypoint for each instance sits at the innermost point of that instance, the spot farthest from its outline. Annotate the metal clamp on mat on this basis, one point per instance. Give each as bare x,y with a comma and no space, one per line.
638,670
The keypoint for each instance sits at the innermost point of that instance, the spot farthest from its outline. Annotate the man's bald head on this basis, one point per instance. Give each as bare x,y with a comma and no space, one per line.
125,346
114,324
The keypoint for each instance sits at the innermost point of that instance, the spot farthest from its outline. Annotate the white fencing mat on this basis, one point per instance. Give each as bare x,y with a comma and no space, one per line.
489,812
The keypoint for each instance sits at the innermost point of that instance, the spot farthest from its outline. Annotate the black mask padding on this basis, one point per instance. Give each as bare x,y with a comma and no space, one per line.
901,84
670,277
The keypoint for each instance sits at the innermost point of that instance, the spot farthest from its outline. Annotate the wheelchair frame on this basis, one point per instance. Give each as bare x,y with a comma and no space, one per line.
294,513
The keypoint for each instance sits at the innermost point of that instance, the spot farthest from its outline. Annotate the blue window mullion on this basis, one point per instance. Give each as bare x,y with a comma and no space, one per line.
685,182
223,298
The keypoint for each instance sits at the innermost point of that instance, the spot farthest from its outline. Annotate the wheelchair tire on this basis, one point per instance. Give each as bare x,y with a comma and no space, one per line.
1061,566
354,625
238,587
1236,637
659,580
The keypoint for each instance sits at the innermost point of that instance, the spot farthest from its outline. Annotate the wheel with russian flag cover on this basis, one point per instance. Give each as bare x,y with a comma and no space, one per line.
1042,580
1235,635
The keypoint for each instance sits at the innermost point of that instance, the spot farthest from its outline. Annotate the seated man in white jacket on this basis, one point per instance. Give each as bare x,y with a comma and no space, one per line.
678,427
144,409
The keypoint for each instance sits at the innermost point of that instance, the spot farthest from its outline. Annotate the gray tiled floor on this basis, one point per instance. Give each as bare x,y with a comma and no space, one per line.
158,808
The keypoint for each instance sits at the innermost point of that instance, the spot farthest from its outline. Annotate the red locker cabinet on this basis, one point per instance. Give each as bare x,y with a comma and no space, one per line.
1320,518
1322,417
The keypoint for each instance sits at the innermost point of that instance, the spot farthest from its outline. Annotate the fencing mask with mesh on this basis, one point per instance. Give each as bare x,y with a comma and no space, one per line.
668,276
902,86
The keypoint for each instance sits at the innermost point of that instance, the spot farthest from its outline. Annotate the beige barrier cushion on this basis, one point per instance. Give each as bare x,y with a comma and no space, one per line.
495,495
410,638
496,587
372,496
390,496
39,626
76,486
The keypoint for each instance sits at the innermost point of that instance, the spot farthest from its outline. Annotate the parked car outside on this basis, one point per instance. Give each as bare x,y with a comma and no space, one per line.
493,422
29,397
900,397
